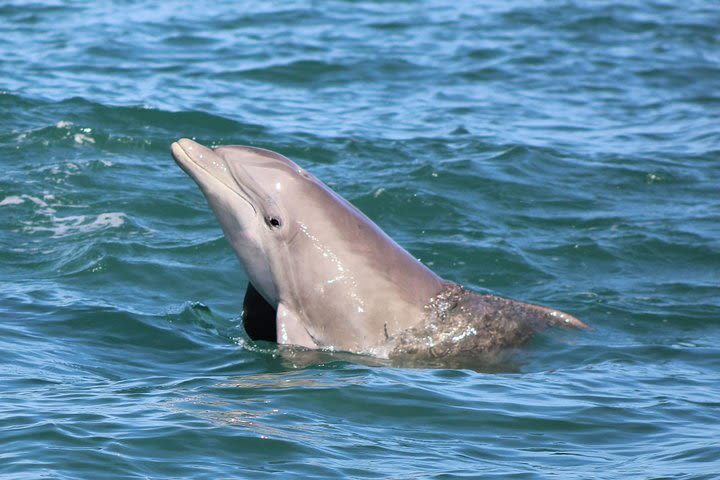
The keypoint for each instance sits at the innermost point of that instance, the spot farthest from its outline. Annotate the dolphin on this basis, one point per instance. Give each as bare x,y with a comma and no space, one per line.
322,275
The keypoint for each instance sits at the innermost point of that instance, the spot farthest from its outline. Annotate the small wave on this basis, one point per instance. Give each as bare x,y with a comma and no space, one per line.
45,207
42,203
78,224
302,72
91,124
12,200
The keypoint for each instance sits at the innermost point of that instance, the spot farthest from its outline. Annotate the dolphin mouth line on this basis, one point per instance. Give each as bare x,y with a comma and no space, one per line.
178,150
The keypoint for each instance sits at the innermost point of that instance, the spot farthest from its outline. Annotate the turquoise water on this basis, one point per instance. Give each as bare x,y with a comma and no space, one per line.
565,153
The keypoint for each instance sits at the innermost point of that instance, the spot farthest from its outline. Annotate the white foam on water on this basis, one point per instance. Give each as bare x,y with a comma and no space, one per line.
20,199
12,200
74,224
81,138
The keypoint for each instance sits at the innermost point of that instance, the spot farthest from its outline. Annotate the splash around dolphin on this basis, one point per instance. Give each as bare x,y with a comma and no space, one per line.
323,276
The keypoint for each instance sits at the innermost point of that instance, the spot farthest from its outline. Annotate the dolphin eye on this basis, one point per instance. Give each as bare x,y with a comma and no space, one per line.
273,222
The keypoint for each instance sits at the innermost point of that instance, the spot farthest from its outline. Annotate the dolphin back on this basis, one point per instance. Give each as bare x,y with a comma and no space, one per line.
461,323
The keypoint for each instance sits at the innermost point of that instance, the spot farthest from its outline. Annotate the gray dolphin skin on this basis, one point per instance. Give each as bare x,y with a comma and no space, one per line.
324,276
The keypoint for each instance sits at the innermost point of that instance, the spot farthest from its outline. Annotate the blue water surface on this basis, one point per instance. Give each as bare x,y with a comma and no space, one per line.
564,153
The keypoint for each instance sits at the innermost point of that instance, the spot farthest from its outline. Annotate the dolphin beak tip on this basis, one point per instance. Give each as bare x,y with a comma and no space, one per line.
184,143
176,149
183,148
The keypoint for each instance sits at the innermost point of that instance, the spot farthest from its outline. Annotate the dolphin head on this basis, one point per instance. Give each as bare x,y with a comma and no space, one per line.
262,200
307,249
243,186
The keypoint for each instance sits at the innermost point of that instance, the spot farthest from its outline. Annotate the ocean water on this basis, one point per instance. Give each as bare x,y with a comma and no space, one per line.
564,153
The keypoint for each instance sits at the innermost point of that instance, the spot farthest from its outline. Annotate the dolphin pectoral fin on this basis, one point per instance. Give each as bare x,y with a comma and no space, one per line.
290,330
258,316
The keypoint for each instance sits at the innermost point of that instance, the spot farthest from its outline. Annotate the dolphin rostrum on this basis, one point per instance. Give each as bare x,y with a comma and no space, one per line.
323,275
